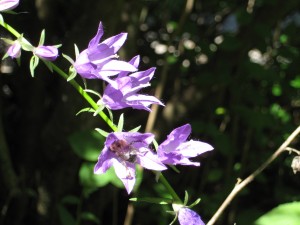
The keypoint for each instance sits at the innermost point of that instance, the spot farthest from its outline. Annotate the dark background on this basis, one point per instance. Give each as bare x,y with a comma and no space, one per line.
229,68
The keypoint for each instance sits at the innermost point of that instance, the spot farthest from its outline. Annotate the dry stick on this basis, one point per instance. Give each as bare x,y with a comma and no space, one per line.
241,184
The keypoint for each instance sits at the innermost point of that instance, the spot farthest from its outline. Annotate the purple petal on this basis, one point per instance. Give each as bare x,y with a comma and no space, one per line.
187,216
49,53
105,161
14,51
135,61
115,42
175,138
194,148
8,4
94,42
150,161
126,173
116,65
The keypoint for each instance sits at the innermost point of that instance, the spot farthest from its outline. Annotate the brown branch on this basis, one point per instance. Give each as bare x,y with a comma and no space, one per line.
241,184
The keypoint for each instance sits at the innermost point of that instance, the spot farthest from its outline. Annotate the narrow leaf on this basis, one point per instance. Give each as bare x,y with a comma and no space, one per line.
136,129
72,73
102,132
42,38
121,123
85,110
34,61
68,58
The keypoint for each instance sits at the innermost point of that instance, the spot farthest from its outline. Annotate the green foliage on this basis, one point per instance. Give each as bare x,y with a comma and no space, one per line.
288,213
87,144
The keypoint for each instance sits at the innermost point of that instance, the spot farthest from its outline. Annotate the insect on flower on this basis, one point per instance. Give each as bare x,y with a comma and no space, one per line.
124,150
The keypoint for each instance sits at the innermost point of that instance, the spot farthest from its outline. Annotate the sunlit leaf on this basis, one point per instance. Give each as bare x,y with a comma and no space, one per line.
288,213
87,144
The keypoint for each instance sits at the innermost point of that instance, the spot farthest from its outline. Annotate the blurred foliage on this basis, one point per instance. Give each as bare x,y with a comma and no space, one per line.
230,69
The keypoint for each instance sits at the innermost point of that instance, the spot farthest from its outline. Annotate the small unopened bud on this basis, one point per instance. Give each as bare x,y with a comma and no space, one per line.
296,164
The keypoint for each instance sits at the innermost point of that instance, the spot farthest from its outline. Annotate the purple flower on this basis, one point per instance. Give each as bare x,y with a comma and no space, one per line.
49,53
123,92
123,150
99,60
6,5
187,216
14,51
176,150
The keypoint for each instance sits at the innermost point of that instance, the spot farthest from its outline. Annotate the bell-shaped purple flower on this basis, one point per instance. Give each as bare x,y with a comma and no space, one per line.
123,150
99,60
48,53
177,150
14,50
123,92
6,5
187,216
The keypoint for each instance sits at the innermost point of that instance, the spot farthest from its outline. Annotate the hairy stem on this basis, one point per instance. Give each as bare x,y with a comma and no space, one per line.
243,183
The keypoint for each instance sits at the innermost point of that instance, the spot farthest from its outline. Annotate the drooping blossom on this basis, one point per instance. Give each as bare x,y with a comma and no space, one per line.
49,53
123,150
177,150
187,216
124,92
6,5
14,50
99,60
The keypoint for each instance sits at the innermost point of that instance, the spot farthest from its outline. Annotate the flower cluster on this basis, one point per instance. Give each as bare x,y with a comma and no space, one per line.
122,150
125,150
100,61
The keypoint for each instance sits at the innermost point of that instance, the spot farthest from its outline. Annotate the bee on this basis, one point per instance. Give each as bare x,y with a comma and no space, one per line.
125,152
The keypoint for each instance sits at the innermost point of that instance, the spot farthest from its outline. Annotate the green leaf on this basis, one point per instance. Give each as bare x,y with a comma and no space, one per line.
288,213
136,129
68,58
65,216
90,180
89,217
102,132
87,144
195,203
34,61
121,123
42,38
296,82
85,110
72,73
186,198
76,51
70,199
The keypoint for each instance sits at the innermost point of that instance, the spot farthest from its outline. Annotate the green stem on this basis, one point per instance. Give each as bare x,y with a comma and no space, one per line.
85,95
167,185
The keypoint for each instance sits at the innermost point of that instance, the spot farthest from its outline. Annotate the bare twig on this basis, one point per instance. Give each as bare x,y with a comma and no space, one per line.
241,184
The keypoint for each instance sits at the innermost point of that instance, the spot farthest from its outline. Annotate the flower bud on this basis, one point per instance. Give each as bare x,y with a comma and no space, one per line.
49,53
296,164
14,50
